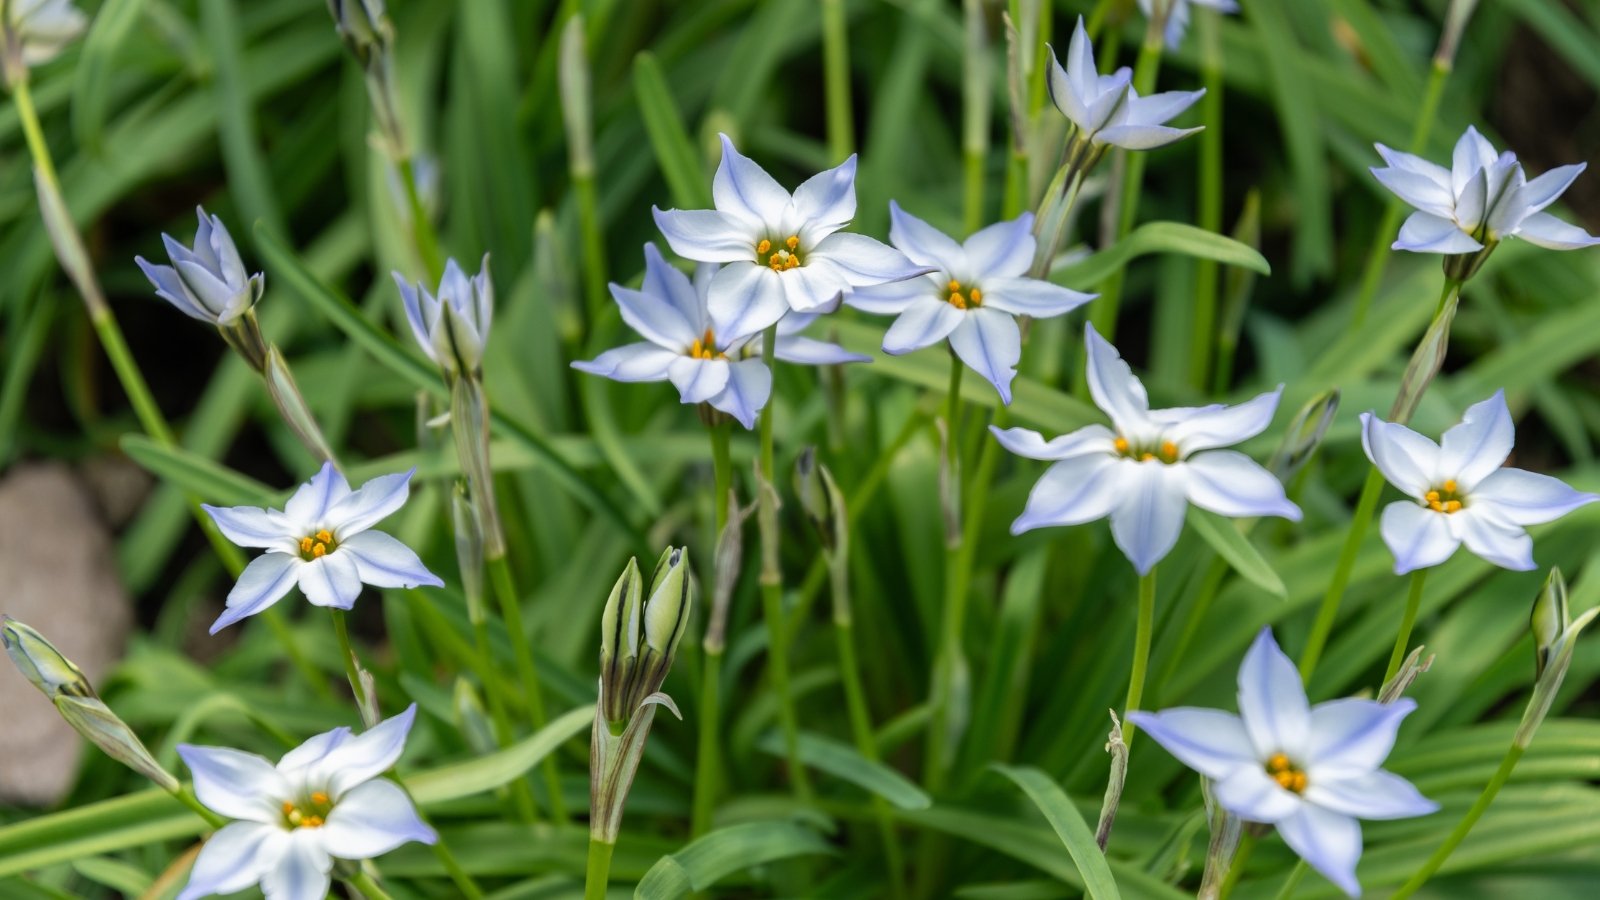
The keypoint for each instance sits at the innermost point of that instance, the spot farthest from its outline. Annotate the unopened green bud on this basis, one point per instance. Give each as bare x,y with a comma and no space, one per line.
362,25
666,613
1549,621
639,636
75,699
822,500
1304,434
619,643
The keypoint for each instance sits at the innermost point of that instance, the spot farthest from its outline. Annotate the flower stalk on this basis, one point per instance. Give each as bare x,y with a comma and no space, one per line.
726,566
1403,637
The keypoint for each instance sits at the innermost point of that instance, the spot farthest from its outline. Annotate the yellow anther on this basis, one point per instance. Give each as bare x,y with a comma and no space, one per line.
1121,444
764,247
953,286
1453,506
324,537
793,241
318,798
1436,506
1278,762
287,807
1146,456
1432,496
319,550
311,822
791,262
958,301
1285,780
305,545
1169,452
1450,486
977,296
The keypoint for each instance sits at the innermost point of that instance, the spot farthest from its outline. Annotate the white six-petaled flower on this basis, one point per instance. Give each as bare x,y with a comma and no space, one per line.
321,540
1312,771
209,282
1460,494
1482,198
1106,108
323,801
453,326
1177,13
971,298
1145,472
707,357
780,251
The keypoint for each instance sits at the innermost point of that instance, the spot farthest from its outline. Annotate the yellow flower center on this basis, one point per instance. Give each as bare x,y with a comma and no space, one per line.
317,545
1445,498
1288,776
971,299
705,347
313,813
780,258
1165,452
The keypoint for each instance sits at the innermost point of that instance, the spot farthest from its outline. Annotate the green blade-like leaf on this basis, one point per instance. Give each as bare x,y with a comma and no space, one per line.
725,851
486,773
1162,237
846,762
1225,538
675,152
212,482
1069,826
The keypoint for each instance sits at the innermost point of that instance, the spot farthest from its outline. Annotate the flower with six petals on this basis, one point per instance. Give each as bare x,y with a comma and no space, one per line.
780,251
1106,109
321,541
972,297
454,326
1459,491
708,356
1483,198
1149,466
323,801
1312,771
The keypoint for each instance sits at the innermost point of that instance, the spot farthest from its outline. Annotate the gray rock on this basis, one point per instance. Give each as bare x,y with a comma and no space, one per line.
58,574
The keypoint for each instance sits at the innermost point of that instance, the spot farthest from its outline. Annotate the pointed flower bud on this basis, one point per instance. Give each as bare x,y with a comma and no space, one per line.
1304,435
1555,636
207,282
453,326
1549,621
822,501
619,643
67,687
362,25
640,635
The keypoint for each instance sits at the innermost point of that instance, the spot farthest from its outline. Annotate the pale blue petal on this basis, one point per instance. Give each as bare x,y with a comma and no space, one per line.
1491,538
1471,204
1417,189
1528,498
1112,384
372,819
664,281
311,502
1157,109
816,287
1149,513
413,306
656,318
749,387
1250,793
1427,233
745,189
250,526
1002,250
170,288
744,299
1407,460
706,235
1142,137
375,501
1417,536
922,243
1473,153
1272,701
1544,190
1209,741
205,287
1328,841
863,260
1073,491
1473,449
924,323
383,561
1551,233
239,855
990,343
811,352
1229,483
1031,297
262,583
235,784
1211,427
1352,736
827,200
302,871
1086,440
313,749
631,362
891,298
1434,172
698,380
1372,795
332,581
1068,99
365,756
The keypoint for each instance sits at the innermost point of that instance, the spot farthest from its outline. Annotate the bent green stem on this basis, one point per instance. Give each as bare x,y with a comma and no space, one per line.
511,610
1401,639
1141,651
772,585
1459,833
185,795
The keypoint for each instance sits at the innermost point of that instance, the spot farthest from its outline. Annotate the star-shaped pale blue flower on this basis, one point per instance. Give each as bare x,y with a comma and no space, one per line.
707,357
1106,109
323,801
972,296
780,251
1178,15
1461,492
322,542
1312,771
1483,197
453,326
209,282
1146,472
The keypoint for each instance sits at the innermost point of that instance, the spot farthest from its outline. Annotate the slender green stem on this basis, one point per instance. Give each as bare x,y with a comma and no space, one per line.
1403,637
1329,610
185,795
521,791
456,871
598,876
1378,256
1459,834
511,610
422,232
836,80
1210,586
1141,651
1293,881
976,101
722,470
1209,206
952,425
1247,845
352,666
708,767
594,247
363,882
772,585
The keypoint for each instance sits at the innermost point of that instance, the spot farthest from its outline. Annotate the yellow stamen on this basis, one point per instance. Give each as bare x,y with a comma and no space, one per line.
287,807
305,545
324,537
1121,444
953,286
1450,486
319,798
319,550
1432,496
793,241
311,822
791,262
1169,452
958,301
764,247
1278,762
1436,506
1146,456
1453,506
977,297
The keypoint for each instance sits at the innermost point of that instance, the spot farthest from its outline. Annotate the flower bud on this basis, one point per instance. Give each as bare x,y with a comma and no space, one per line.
207,282
619,643
1555,636
1304,434
822,500
75,699
452,327
639,636
666,613
362,25
1549,621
